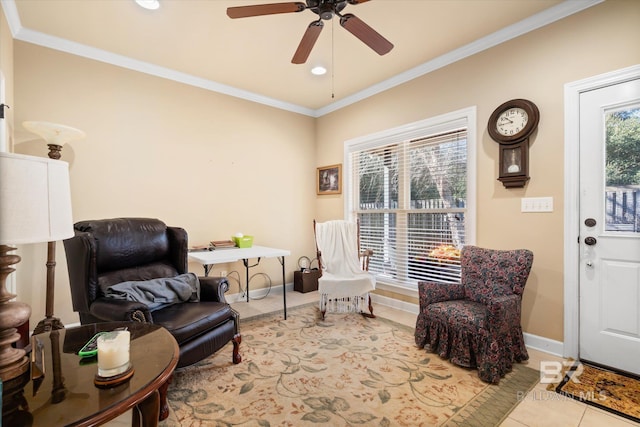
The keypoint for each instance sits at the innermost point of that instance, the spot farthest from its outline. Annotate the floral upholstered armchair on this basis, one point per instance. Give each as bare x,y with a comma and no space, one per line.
476,323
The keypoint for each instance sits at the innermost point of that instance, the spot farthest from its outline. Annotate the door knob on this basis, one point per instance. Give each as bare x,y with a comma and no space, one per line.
590,241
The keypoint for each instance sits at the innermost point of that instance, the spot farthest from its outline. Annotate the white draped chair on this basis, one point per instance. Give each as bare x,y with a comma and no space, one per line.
345,283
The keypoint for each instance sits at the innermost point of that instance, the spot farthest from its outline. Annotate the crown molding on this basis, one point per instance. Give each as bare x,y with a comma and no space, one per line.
89,52
11,13
546,17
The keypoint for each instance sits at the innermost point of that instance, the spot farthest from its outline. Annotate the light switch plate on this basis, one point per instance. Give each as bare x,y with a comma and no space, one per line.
536,204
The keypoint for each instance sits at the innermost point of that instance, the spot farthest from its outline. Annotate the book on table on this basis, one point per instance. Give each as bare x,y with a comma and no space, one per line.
223,244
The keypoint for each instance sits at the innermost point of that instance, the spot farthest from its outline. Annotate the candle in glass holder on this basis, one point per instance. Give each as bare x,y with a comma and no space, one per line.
113,353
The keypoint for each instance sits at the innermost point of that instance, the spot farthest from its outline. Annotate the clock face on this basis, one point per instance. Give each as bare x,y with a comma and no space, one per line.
512,121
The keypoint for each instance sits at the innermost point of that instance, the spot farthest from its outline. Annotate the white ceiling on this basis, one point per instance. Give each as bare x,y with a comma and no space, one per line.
193,41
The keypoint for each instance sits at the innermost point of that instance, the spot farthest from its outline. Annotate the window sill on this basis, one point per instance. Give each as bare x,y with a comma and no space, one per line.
397,288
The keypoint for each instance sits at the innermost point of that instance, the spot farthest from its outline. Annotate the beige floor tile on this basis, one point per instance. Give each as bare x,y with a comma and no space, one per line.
594,417
536,356
510,422
541,408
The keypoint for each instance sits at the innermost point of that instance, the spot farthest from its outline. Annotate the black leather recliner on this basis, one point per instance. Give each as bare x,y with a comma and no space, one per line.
110,251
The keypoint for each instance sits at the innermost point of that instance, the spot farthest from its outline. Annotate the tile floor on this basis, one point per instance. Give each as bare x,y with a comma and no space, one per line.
539,408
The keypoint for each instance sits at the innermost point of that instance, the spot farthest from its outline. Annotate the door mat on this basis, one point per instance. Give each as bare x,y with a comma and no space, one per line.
602,388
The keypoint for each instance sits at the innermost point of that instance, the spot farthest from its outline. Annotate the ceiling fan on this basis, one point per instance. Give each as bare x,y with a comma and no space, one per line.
325,9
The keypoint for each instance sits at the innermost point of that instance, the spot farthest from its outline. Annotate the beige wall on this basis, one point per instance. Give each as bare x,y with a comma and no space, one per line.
212,164
535,66
216,165
6,67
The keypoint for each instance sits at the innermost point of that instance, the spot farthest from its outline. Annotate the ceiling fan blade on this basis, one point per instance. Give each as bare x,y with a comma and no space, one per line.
265,9
365,33
307,42
356,1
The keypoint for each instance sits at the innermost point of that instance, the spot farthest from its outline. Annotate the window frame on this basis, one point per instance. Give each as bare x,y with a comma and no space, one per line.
416,130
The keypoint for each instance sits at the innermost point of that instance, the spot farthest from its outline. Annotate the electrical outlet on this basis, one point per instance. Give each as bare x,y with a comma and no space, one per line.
223,273
536,204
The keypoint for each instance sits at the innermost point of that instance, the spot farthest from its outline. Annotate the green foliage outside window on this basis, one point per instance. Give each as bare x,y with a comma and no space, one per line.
623,148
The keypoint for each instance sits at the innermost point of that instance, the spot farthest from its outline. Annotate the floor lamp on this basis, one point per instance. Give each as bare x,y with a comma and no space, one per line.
35,207
56,136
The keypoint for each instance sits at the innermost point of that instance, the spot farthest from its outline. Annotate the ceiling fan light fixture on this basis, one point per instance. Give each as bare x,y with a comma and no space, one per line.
318,70
326,11
149,4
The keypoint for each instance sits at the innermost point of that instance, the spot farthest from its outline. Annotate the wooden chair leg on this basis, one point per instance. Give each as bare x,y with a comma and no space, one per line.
370,314
164,406
237,358
323,305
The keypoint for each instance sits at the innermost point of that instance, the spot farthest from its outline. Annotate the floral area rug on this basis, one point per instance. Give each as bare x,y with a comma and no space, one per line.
608,390
345,371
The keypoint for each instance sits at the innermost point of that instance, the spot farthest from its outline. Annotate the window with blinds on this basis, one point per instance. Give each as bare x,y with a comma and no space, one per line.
411,199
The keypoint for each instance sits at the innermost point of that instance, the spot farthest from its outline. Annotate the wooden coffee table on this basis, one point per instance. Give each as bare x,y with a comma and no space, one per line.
67,396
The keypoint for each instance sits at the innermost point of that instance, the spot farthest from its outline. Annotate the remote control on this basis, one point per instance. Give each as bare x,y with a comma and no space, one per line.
90,349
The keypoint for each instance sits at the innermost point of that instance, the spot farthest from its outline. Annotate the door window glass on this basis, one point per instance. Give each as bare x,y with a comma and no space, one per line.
622,187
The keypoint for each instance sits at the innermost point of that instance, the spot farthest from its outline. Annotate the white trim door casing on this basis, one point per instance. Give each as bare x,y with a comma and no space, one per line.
572,93
610,246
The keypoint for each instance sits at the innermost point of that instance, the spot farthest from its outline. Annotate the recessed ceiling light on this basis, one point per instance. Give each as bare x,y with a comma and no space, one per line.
149,4
319,70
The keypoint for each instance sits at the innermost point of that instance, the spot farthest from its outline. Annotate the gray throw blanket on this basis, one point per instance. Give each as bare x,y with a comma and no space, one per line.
157,293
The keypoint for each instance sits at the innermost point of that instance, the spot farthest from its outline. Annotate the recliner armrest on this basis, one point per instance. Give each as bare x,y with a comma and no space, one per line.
115,310
213,288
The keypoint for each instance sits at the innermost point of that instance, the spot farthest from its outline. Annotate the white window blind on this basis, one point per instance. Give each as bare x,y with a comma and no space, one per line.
411,199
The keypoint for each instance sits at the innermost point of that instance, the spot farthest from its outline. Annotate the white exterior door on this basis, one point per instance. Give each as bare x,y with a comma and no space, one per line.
609,277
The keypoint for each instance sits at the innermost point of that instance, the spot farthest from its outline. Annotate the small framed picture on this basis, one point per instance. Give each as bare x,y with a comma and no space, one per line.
329,180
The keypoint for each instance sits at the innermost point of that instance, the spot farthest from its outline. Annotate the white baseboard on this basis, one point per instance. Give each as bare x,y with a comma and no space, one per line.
544,344
395,303
257,293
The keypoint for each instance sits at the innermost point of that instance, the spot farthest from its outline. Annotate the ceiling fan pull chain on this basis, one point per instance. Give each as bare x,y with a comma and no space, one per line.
333,62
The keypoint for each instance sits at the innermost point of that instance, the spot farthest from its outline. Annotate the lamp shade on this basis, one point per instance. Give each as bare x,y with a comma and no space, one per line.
35,200
53,133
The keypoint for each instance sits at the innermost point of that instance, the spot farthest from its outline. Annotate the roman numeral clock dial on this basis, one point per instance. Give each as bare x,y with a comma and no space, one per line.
511,125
